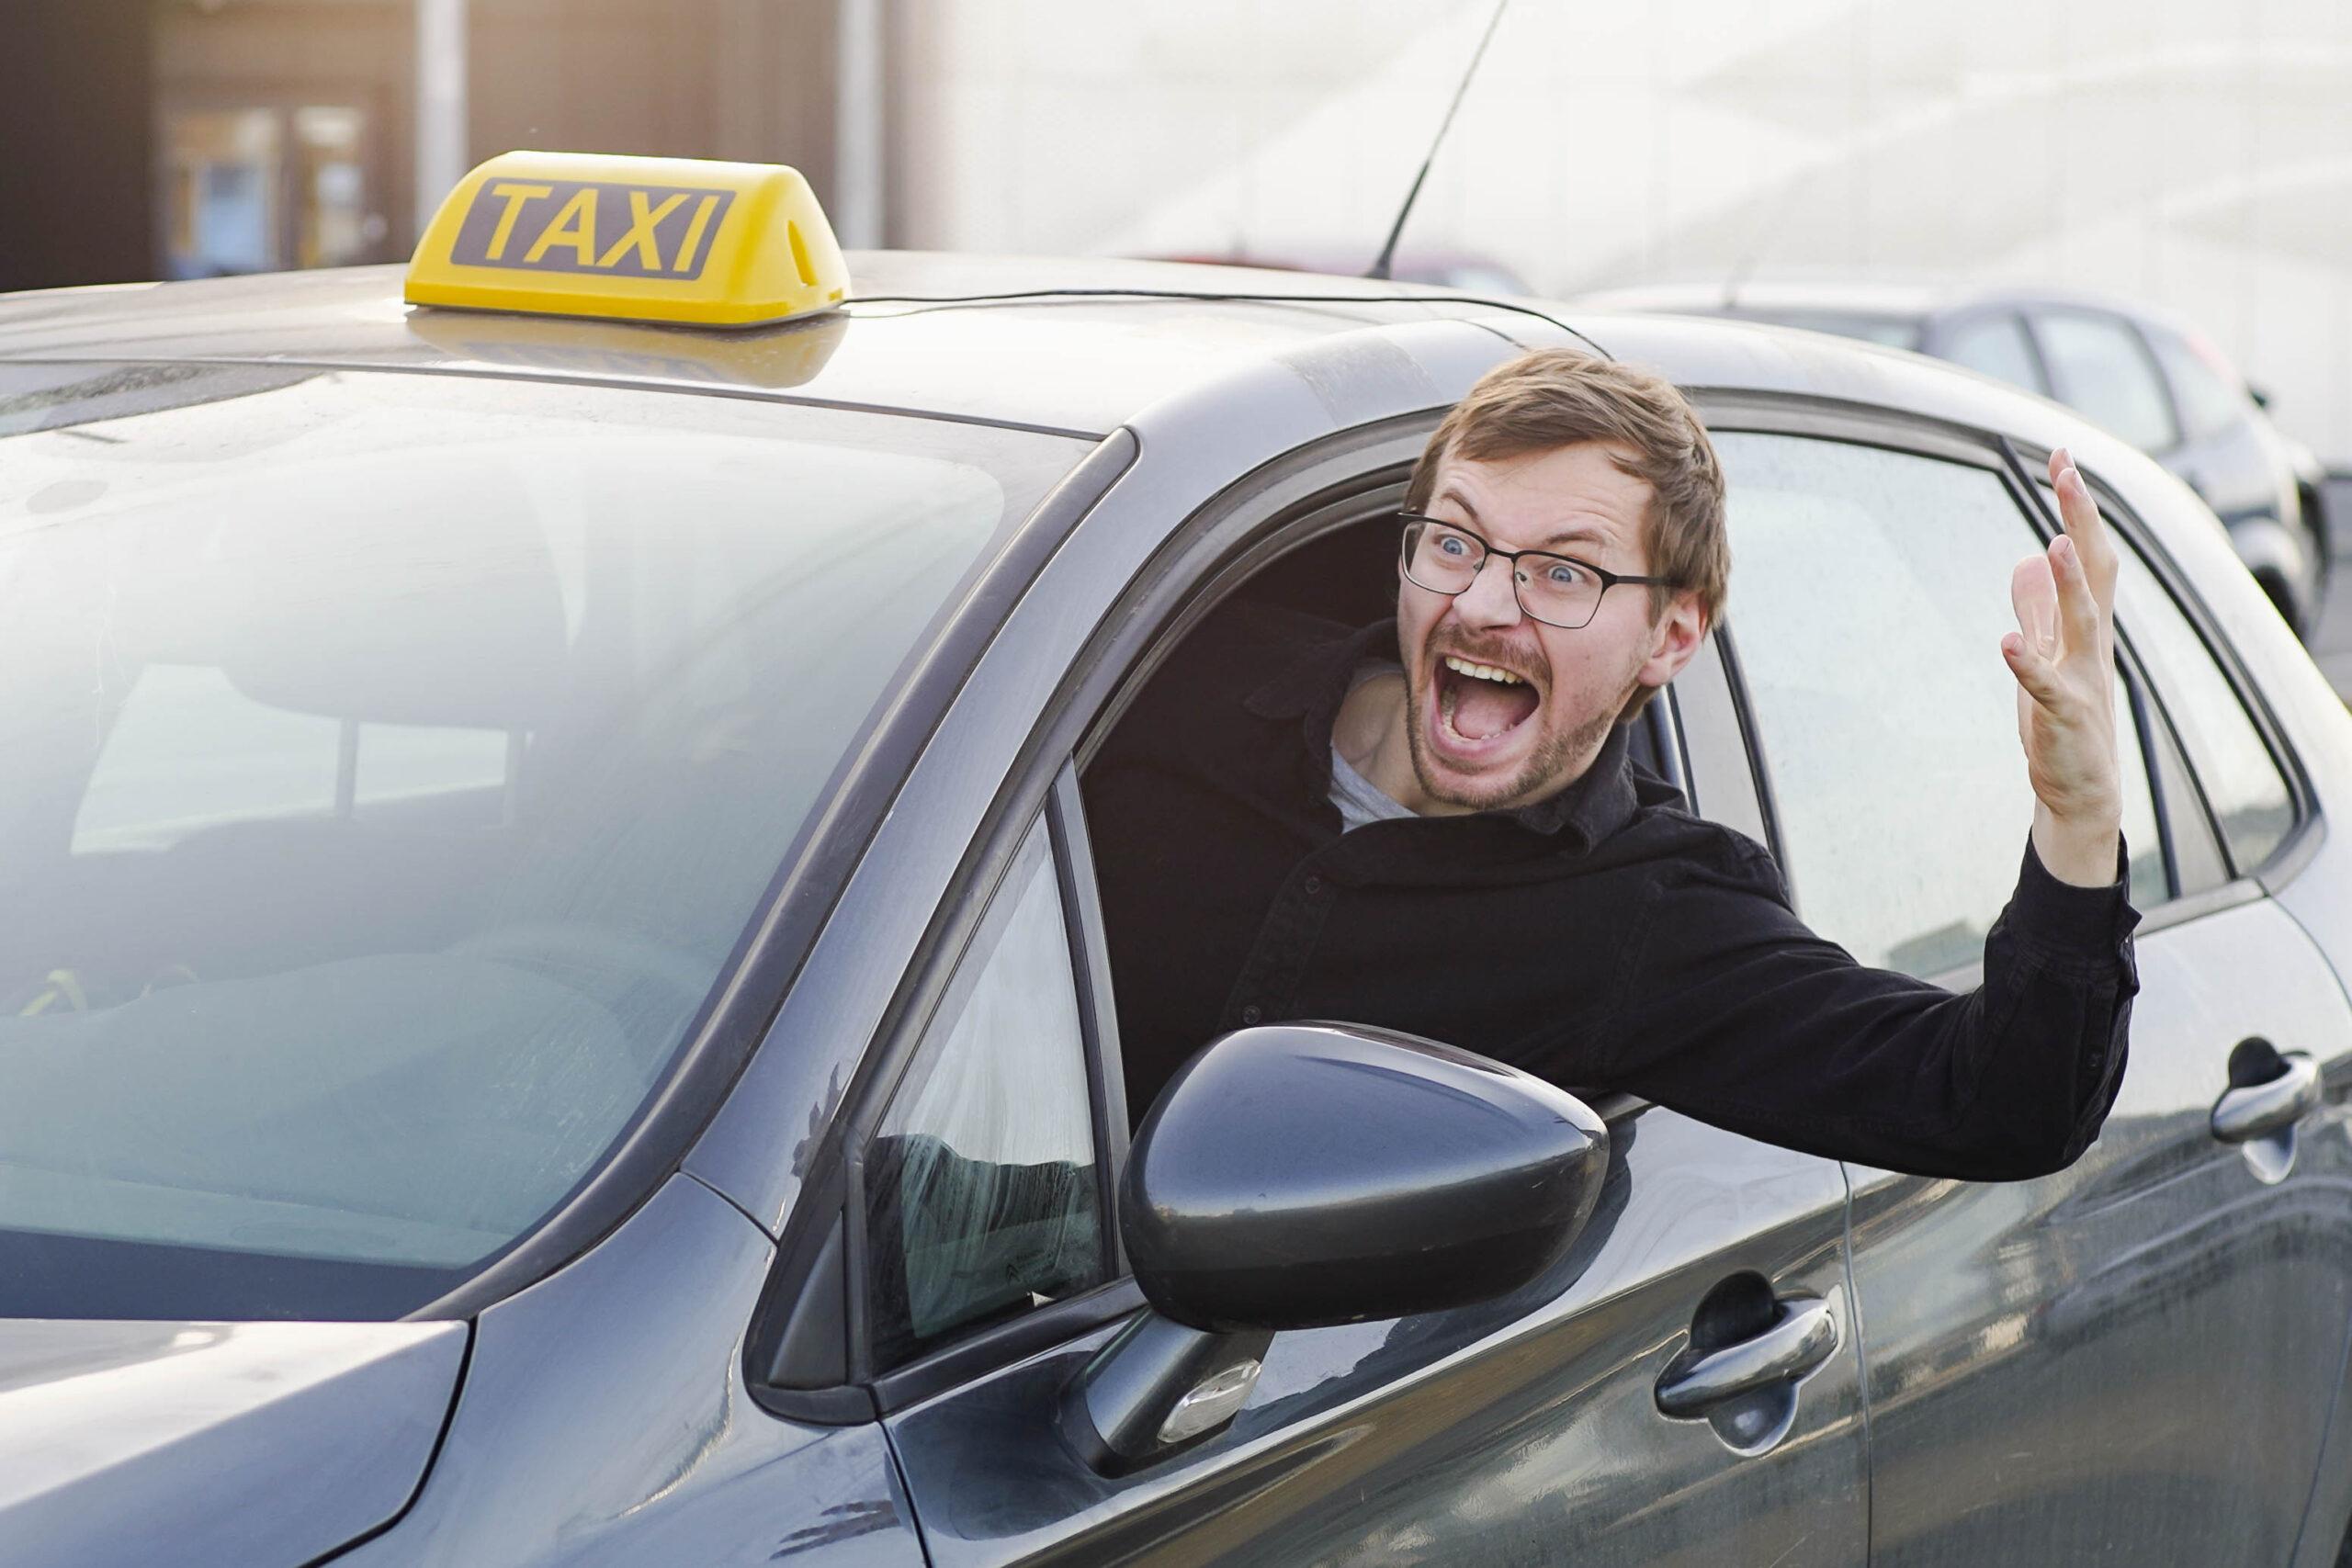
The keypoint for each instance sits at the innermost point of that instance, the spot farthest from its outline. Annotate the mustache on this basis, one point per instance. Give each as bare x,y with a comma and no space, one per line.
1503,653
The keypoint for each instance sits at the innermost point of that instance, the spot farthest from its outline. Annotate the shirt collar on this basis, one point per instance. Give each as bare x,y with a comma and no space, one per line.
1311,688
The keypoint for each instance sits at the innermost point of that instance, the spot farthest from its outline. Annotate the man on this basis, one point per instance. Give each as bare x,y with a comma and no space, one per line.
1432,825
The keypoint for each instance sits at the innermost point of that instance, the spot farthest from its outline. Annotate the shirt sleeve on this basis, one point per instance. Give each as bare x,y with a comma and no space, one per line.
1744,1018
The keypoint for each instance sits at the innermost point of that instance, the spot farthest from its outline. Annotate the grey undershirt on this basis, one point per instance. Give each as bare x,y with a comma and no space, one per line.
1362,802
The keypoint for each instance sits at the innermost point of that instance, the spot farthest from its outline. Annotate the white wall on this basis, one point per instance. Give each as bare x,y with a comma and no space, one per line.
2198,155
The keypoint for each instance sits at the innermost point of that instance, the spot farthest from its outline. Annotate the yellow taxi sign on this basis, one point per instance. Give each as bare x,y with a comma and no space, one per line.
686,239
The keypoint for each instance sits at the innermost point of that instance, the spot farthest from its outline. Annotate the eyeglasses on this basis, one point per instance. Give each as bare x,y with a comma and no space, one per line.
1559,590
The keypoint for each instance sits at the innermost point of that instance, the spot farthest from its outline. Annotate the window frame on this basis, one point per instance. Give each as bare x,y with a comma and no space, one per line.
1730,732
959,966
2195,834
819,1282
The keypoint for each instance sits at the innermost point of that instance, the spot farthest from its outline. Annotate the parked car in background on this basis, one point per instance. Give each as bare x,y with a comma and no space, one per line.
2146,375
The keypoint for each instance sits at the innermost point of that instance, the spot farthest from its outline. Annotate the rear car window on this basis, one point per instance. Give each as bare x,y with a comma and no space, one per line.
2099,366
2211,397
1893,332
1995,346
1868,600
390,767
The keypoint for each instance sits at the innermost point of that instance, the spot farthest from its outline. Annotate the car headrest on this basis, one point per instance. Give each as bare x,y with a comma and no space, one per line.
436,604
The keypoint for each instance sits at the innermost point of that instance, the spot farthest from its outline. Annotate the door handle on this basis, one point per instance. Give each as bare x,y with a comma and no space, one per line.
1804,1336
2249,1112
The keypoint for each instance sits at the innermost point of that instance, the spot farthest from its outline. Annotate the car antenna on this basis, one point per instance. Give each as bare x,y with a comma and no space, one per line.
1388,252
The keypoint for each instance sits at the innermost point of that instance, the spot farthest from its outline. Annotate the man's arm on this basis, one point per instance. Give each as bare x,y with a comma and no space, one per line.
1747,1020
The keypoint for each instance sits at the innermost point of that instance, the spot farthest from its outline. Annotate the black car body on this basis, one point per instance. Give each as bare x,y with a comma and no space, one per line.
486,1095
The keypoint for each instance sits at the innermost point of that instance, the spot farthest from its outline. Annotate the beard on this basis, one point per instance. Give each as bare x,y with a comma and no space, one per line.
1554,763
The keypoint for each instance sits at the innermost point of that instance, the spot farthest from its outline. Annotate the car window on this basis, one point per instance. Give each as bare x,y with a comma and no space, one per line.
390,766
2242,782
2098,365
1996,346
981,1193
2208,393
1893,331
1869,594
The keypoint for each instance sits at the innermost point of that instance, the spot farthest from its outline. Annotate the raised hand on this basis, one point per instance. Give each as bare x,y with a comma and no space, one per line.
2063,655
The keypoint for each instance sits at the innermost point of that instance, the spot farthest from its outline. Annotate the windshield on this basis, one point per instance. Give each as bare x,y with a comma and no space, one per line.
390,767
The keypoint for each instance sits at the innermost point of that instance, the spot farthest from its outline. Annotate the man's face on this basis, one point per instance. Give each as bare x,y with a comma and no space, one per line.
1478,744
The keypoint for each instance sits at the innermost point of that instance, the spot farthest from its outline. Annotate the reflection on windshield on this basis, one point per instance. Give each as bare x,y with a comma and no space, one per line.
389,769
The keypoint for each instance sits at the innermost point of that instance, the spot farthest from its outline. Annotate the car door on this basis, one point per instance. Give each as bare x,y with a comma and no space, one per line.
2046,1359
1527,1429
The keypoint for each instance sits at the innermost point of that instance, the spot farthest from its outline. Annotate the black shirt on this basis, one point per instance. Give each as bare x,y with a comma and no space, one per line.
1604,937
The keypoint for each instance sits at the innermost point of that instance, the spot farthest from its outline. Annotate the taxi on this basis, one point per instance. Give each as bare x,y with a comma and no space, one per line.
554,1006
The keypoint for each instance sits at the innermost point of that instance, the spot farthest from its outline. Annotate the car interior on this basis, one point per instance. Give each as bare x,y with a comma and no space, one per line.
491,951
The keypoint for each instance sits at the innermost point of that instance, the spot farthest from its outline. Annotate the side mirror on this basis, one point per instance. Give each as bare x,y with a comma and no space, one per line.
1298,1175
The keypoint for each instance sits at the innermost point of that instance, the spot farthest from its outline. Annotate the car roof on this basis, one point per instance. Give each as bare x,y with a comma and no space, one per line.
1073,362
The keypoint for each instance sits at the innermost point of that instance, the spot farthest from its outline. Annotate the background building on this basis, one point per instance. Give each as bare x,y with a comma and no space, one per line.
2190,153
185,138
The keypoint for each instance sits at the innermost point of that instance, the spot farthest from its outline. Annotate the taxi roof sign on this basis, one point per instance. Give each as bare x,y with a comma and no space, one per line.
680,240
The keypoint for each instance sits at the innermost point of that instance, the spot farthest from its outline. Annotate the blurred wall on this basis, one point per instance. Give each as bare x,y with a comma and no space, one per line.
685,78
749,79
75,136
2195,154
145,139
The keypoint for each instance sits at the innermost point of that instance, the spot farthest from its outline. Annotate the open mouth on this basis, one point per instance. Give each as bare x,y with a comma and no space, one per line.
1479,704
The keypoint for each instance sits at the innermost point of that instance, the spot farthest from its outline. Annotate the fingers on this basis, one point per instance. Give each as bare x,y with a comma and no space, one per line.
2033,594
2080,515
2079,615
2036,674
2082,563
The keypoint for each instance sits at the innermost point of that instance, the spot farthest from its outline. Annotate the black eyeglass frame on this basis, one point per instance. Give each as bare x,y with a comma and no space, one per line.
1609,580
